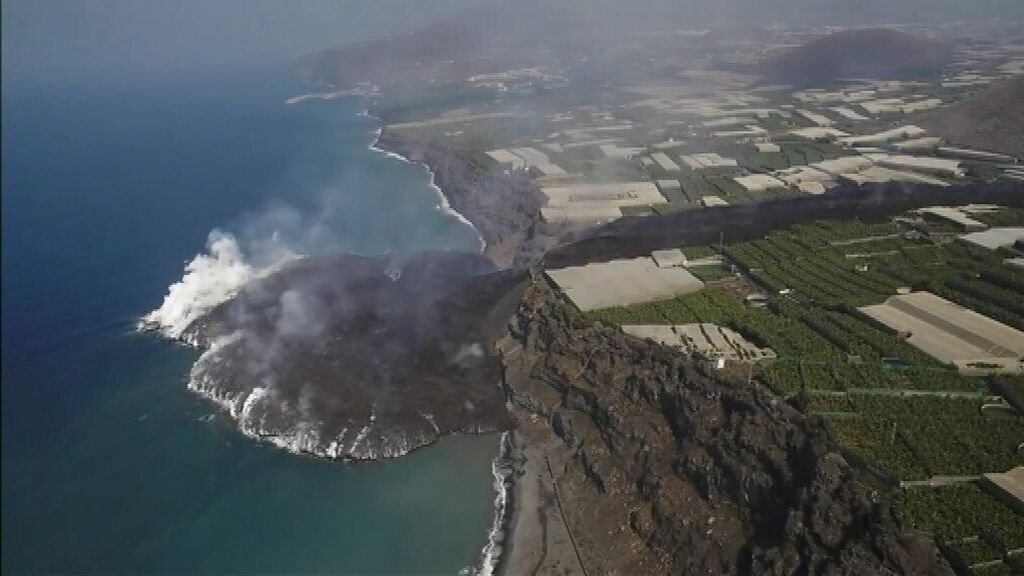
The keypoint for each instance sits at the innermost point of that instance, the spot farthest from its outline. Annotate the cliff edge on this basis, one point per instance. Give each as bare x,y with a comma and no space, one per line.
504,207
659,467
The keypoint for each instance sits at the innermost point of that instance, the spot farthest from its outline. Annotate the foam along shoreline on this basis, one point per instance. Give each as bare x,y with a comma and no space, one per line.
315,96
249,411
444,205
365,91
502,468
251,355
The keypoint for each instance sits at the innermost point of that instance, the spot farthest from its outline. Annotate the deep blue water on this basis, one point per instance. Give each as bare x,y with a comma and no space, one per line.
109,463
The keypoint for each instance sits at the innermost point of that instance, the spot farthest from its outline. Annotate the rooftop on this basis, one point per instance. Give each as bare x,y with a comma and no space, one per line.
622,282
994,238
947,331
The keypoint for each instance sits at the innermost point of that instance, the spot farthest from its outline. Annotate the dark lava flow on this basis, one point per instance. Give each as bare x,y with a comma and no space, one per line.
356,357
640,235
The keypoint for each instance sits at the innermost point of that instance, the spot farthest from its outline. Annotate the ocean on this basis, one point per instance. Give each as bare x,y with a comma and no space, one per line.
109,463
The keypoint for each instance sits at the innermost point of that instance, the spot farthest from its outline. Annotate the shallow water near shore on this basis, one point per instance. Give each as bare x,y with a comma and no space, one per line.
109,463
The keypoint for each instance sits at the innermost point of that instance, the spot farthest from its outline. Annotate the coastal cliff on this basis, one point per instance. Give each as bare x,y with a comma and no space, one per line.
656,466
503,206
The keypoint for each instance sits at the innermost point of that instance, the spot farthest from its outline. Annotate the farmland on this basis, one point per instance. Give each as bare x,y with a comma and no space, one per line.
856,264
818,348
977,533
901,413
816,274
791,153
698,183
919,437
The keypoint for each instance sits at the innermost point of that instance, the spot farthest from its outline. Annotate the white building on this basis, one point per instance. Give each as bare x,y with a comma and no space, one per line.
707,160
759,182
666,163
885,136
926,164
819,119
995,238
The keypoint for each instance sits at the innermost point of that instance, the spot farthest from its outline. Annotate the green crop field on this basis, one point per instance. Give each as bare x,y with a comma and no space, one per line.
710,272
917,437
698,252
854,264
958,512
834,361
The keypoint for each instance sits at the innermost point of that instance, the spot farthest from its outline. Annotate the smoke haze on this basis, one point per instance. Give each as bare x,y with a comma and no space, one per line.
111,37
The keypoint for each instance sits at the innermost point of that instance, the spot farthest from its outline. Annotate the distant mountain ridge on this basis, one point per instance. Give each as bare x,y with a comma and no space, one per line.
992,119
448,50
506,34
876,53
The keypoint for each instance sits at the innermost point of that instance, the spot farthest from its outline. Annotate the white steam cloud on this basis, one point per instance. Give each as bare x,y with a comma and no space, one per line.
268,240
209,280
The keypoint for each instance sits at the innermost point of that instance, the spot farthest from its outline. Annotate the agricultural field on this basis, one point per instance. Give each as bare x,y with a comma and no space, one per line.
698,252
791,153
918,437
977,533
818,349
1010,388
856,264
697,184
710,272
1003,217
900,411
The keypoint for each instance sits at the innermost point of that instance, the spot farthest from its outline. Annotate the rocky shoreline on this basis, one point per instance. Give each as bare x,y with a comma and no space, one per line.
503,207
360,358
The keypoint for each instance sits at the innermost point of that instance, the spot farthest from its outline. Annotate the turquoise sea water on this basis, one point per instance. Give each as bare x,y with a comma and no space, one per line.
109,463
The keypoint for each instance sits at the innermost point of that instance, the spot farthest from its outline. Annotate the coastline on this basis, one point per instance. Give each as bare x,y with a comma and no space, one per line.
300,439
503,208
246,409
368,443
503,470
444,206
507,465
519,541
537,538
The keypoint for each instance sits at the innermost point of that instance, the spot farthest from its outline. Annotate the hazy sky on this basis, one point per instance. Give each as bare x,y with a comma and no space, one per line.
45,36
117,36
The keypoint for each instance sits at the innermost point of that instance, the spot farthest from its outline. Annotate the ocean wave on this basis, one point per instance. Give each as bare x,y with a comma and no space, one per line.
502,470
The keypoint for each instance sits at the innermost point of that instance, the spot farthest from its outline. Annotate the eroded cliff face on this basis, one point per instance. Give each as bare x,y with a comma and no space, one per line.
662,468
503,207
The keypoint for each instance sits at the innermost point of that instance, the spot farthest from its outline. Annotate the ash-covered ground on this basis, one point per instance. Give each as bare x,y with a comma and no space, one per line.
357,357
